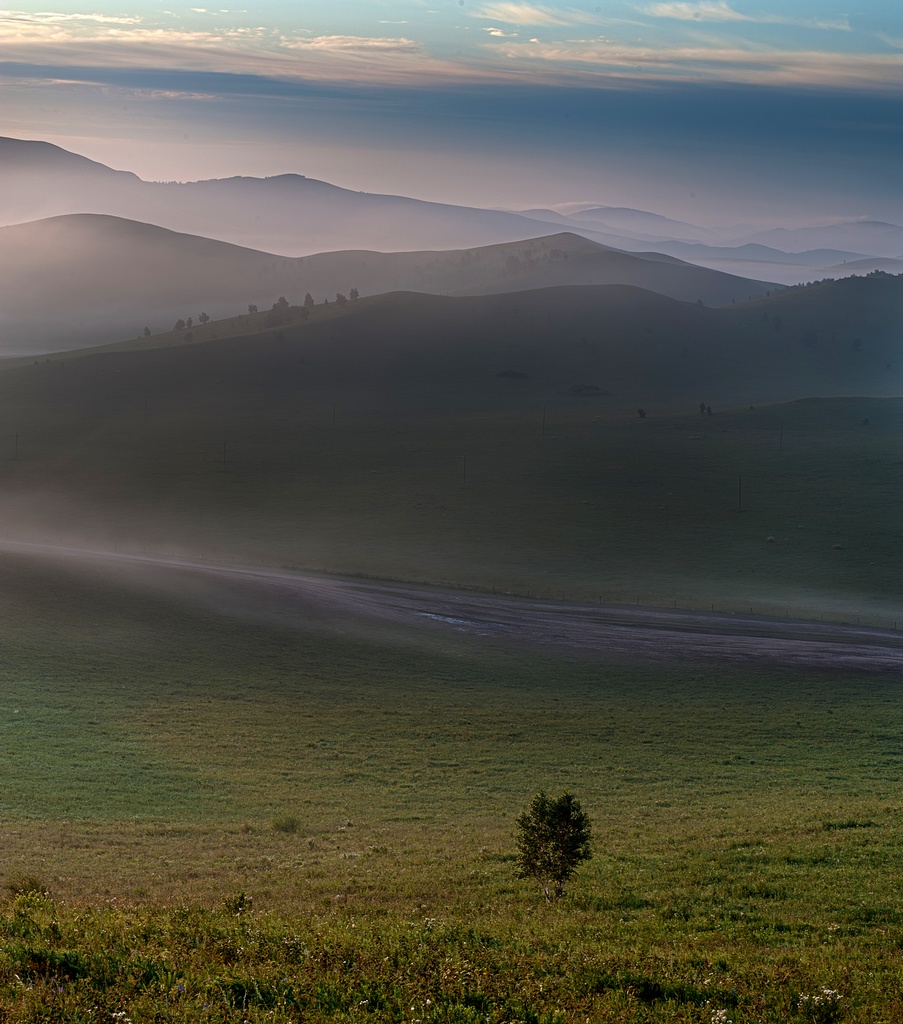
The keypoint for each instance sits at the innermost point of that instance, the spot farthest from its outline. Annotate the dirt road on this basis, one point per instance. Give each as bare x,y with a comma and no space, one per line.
607,631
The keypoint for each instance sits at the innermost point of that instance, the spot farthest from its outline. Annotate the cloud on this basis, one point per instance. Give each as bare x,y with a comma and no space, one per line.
600,58
499,34
352,44
719,10
53,18
260,52
704,11
532,14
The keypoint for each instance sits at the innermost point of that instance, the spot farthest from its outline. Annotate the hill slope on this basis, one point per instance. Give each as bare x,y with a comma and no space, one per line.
493,441
83,278
288,213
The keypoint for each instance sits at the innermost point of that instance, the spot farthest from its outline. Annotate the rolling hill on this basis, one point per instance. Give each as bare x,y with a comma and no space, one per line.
294,215
492,441
289,213
85,278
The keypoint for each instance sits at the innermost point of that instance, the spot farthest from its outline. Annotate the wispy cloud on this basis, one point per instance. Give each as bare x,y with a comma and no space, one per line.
719,10
53,18
257,51
352,45
533,14
600,58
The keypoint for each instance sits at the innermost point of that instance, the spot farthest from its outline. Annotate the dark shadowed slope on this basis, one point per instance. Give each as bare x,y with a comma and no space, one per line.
86,278
435,353
488,441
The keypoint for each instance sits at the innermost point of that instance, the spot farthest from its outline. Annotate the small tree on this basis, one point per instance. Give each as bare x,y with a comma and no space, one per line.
354,294
252,307
204,318
308,300
147,332
553,837
340,299
180,325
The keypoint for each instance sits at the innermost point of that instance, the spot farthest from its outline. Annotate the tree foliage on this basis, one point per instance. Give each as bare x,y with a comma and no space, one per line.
553,837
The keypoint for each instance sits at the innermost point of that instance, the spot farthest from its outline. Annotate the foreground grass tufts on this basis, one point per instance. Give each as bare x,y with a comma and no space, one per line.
193,964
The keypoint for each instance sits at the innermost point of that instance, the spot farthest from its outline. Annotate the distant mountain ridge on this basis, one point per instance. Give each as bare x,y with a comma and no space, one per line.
603,349
36,157
294,215
87,278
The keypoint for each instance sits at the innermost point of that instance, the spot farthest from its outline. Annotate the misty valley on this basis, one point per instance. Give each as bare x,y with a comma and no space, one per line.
335,525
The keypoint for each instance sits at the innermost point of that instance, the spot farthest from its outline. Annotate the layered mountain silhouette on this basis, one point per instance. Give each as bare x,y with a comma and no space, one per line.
87,278
608,349
294,215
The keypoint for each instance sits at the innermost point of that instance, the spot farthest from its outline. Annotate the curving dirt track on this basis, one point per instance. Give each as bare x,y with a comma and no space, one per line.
613,631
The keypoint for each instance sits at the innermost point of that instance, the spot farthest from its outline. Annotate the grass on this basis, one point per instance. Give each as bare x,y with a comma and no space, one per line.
590,508
216,809
382,438
237,818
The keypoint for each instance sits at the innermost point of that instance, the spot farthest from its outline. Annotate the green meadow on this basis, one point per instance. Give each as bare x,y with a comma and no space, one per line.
238,819
218,807
294,451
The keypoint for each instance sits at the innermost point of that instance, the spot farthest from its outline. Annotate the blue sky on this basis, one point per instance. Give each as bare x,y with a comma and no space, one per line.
712,110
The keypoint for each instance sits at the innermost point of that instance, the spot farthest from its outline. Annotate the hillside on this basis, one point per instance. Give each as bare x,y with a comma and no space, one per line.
294,215
78,279
441,438
287,213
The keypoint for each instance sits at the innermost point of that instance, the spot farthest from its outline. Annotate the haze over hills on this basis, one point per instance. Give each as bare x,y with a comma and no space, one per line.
289,214
87,278
293,215
335,441
608,348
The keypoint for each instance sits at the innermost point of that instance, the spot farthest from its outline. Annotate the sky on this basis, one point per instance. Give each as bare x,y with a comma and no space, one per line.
714,111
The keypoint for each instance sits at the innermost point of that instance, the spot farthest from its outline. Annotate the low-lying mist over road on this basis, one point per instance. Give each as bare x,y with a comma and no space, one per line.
413,615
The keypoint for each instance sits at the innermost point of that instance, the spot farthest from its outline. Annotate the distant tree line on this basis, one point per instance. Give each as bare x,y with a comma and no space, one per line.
281,312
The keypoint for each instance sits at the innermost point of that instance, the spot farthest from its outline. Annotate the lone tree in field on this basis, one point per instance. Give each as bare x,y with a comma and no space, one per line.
553,837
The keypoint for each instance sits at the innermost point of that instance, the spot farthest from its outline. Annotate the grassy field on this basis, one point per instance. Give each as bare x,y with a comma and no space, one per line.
392,437
591,508
164,752
217,809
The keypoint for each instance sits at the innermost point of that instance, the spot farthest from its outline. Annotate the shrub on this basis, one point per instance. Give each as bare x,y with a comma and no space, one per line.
286,823
553,837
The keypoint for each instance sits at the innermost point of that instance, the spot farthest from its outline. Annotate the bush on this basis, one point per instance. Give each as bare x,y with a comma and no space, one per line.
553,837
286,823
